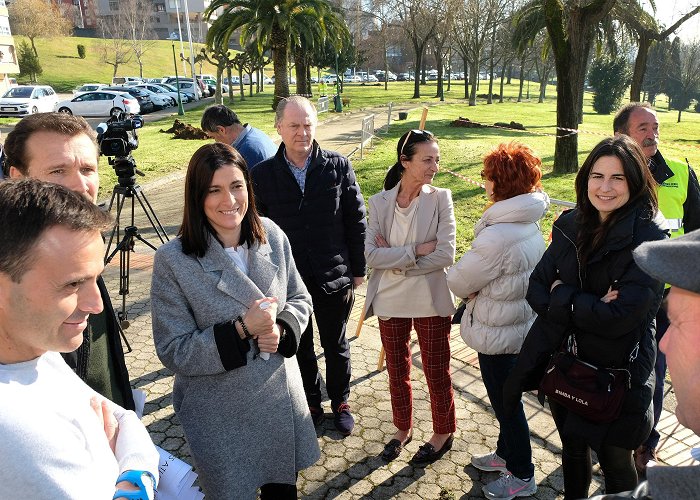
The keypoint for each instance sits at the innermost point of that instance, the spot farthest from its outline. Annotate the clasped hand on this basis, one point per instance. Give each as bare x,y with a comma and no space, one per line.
261,324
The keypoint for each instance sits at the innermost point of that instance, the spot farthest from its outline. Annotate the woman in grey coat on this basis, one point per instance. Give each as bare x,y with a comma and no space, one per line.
228,310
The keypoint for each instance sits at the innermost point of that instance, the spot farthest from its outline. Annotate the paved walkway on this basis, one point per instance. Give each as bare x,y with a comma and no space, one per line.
350,467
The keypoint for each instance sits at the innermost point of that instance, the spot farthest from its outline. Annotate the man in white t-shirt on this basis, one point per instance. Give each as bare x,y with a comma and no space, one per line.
58,437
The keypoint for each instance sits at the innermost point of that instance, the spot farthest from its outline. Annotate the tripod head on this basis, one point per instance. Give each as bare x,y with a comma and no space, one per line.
117,139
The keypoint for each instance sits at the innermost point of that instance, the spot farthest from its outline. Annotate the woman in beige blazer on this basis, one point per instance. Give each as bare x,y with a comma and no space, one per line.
410,241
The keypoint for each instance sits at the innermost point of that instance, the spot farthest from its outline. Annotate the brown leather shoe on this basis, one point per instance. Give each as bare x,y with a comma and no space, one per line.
642,458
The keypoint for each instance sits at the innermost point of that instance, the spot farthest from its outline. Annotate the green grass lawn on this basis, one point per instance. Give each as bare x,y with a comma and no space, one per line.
461,149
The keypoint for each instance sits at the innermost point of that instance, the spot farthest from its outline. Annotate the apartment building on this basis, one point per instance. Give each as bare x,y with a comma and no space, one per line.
8,55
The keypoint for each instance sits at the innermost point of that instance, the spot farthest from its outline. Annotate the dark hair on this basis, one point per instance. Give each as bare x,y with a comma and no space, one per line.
514,169
405,150
60,123
622,117
640,183
28,208
218,115
300,101
196,231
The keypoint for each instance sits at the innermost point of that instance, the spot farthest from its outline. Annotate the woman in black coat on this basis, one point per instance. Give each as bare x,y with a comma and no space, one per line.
588,284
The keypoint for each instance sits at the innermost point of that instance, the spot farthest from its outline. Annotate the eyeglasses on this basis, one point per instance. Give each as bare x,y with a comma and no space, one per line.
425,134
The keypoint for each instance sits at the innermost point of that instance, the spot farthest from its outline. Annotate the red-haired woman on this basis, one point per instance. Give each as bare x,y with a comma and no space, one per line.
492,278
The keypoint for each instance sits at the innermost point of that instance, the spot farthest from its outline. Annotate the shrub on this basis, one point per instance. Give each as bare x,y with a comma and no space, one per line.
609,78
81,51
28,61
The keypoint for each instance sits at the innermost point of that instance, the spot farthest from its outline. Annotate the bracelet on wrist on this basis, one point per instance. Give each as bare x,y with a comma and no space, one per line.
246,333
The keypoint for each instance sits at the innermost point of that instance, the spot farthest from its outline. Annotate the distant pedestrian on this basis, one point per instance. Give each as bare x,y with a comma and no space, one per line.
410,242
223,125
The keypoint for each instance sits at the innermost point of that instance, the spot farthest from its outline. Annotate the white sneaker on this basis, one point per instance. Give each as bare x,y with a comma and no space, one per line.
508,487
489,463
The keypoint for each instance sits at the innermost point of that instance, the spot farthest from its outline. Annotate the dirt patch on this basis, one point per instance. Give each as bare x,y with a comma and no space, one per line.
513,125
181,130
466,123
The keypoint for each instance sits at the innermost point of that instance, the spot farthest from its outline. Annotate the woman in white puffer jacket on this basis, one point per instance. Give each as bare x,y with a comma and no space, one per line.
493,278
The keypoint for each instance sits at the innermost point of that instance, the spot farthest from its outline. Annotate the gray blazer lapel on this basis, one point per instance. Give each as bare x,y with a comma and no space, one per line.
261,269
232,281
426,212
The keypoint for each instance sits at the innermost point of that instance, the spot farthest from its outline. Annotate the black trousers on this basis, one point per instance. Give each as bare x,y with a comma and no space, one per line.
331,312
617,463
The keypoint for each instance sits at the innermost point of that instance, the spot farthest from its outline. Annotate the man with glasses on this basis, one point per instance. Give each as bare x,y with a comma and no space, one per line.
312,194
223,125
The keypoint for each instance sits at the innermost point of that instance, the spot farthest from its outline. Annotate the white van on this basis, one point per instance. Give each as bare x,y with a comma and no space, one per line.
122,80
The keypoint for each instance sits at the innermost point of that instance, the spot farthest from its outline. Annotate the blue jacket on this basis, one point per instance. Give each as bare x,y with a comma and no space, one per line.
254,145
325,224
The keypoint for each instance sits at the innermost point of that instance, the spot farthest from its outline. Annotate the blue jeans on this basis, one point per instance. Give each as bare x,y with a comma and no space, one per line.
514,434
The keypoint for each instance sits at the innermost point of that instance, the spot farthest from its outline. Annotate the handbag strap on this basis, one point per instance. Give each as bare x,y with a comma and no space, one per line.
572,347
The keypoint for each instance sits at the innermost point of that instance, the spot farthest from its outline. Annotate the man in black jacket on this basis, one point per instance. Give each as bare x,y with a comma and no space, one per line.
312,194
679,202
60,148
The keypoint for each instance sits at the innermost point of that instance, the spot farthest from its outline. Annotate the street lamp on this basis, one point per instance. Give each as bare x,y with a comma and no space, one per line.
180,108
338,100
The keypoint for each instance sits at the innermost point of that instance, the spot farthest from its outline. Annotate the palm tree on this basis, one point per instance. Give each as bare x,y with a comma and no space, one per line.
268,24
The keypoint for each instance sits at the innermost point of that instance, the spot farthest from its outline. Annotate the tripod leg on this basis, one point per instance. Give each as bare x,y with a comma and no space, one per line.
121,198
123,336
151,215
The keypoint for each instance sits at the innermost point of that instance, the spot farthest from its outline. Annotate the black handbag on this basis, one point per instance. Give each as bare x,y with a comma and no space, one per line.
592,392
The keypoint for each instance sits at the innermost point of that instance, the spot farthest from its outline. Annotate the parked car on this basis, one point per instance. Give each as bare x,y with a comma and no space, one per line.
145,102
121,80
185,96
162,90
88,87
99,103
27,99
330,79
211,83
160,100
186,84
370,79
353,79
235,80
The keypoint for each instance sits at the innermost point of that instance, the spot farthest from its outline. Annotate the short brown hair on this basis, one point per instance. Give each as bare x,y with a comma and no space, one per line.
196,231
60,123
514,169
28,208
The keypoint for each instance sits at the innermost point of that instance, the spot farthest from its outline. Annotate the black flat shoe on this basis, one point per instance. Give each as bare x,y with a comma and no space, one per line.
393,448
426,454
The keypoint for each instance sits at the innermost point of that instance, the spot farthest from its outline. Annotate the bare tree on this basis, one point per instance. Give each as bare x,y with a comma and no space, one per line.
38,19
113,48
686,83
220,58
472,25
419,21
647,31
138,26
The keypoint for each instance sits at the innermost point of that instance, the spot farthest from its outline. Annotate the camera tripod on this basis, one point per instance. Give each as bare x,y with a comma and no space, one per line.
128,189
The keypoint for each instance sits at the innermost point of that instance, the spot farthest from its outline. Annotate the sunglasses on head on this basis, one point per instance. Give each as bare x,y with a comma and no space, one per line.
426,135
